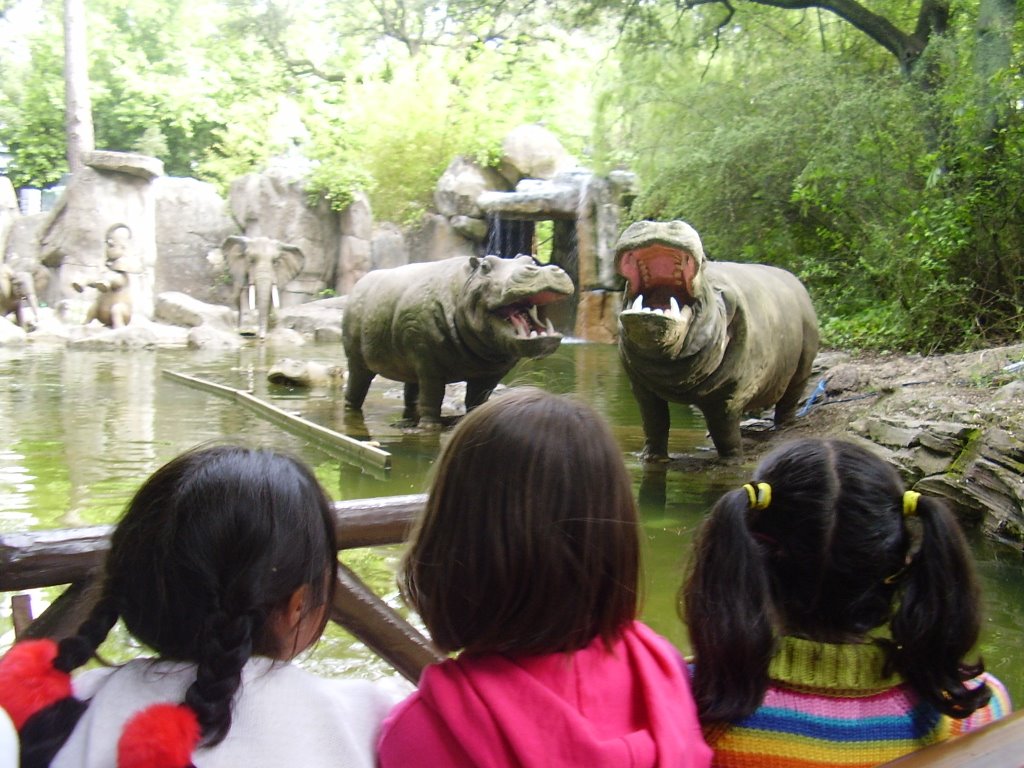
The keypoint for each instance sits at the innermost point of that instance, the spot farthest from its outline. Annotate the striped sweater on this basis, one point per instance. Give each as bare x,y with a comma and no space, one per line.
831,705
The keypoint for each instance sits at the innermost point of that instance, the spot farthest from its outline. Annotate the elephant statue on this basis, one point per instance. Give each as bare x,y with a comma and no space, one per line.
259,267
20,285
113,304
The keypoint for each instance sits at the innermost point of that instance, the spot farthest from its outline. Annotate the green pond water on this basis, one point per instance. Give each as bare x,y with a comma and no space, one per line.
84,428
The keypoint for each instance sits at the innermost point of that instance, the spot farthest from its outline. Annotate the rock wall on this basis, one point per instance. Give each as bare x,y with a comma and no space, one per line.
179,225
191,222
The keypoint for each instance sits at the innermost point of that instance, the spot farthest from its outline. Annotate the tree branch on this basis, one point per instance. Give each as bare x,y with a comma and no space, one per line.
933,18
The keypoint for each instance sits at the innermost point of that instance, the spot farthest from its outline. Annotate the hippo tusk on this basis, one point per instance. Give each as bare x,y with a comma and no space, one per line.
533,314
638,304
252,296
673,306
551,328
275,297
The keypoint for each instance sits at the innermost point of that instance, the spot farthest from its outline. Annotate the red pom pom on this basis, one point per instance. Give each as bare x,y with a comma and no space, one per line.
160,736
29,681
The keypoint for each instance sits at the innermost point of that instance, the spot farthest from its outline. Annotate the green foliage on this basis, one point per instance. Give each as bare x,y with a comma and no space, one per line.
393,132
894,201
785,136
33,130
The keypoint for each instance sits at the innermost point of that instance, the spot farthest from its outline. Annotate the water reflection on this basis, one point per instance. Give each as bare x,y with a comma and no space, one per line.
84,428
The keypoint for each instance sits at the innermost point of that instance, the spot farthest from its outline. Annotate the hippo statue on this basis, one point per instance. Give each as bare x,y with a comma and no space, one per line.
461,319
725,337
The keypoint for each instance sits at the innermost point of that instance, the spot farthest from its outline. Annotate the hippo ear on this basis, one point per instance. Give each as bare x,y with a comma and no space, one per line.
474,262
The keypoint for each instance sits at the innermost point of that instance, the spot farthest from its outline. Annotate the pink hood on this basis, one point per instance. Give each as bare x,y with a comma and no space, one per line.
627,707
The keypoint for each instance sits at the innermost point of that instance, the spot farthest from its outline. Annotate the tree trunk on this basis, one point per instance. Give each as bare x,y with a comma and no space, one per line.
992,54
77,104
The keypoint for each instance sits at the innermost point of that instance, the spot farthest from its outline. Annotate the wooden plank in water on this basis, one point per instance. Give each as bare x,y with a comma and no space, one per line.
364,452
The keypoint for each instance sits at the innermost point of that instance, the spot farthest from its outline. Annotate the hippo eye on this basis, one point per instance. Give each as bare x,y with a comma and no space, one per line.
486,266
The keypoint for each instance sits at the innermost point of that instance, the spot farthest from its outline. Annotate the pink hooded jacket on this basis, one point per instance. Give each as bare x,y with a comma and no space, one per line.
629,707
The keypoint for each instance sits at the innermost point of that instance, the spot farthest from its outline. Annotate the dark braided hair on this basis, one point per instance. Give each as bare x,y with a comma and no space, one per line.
211,545
45,732
829,557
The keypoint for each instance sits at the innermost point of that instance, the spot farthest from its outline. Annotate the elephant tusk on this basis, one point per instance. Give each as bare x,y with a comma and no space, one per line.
275,297
252,296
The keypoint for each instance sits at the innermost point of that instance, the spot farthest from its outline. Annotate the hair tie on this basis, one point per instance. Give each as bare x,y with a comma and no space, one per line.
759,494
29,681
160,736
910,503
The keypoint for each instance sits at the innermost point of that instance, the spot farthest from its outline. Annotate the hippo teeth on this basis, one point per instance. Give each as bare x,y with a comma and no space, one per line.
526,322
674,311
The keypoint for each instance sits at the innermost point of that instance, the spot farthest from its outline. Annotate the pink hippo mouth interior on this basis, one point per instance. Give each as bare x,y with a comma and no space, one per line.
660,278
522,315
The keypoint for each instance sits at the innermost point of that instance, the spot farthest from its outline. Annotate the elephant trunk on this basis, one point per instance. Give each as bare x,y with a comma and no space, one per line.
31,303
265,290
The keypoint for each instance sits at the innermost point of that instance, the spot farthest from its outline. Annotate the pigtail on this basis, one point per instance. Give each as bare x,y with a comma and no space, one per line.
227,647
35,681
938,619
165,735
727,607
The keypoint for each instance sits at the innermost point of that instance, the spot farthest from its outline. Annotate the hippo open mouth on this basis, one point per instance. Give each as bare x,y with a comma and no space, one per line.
522,315
660,279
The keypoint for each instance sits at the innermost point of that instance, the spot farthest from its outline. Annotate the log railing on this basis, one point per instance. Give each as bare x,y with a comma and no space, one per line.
75,557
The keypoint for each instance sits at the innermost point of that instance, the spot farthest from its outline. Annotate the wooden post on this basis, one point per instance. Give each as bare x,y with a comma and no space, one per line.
21,613
359,610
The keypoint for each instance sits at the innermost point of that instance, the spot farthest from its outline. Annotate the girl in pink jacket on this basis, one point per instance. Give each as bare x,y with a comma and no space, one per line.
526,562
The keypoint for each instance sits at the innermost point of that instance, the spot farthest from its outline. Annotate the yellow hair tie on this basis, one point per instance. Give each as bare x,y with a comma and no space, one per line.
760,495
910,503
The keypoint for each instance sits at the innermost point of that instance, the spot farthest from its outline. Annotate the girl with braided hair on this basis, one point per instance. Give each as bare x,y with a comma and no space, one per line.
830,613
224,565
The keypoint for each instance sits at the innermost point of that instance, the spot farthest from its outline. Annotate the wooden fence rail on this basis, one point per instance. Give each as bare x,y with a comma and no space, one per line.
75,556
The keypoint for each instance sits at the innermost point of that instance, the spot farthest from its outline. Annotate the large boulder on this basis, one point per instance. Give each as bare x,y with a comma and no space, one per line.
388,248
176,308
461,184
191,221
434,239
10,333
532,151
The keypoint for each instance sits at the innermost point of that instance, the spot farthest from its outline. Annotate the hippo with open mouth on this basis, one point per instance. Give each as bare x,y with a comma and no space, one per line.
728,338
461,319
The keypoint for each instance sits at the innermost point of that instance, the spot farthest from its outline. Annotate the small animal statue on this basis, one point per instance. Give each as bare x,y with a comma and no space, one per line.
20,284
725,337
113,304
461,319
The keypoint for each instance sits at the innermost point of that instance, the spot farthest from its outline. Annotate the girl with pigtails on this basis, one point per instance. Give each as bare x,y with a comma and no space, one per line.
830,613
223,564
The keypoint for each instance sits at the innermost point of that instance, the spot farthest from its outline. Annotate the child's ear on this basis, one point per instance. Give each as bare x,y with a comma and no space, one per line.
296,606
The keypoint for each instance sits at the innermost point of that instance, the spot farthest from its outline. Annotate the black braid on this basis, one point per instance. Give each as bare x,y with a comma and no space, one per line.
227,646
45,732
74,651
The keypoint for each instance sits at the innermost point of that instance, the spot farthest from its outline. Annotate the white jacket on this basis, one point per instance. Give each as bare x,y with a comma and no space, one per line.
282,715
